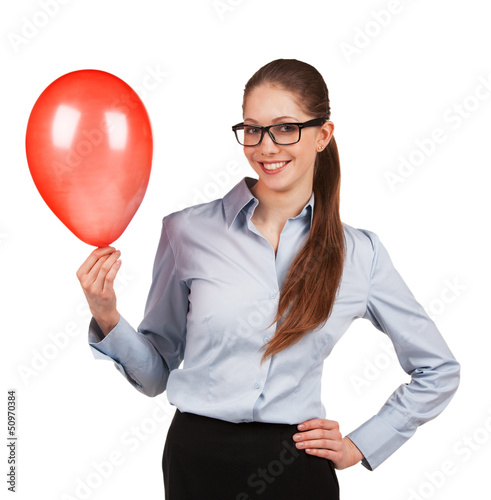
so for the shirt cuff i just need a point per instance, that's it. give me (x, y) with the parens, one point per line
(101, 345)
(110, 347)
(377, 440)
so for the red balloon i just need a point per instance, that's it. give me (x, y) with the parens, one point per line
(89, 149)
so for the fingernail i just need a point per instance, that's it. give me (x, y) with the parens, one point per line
(301, 426)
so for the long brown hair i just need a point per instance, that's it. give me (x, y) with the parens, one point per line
(309, 289)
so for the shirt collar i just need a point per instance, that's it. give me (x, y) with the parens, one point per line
(240, 197)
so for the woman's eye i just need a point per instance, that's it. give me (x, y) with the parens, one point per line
(251, 130)
(287, 128)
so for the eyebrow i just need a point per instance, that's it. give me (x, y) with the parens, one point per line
(279, 119)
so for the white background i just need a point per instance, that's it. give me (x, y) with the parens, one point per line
(410, 75)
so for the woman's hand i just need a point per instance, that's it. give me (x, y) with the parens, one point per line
(96, 275)
(321, 437)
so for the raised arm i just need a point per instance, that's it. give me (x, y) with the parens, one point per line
(145, 356)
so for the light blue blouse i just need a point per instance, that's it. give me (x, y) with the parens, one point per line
(215, 289)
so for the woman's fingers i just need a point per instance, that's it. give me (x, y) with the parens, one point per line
(89, 273)
(91, 277)
(321, 438)
(103, 281)
(85, 270)
(96, 275)
(332, 435)
(318, 423)
(111, 274)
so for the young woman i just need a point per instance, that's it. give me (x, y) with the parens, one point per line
(252, 292)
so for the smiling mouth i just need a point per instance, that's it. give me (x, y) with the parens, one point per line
(274, 166)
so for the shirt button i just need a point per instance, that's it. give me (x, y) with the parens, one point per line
(272, 295)
(245, 420)
(257, 385)
(266, 339)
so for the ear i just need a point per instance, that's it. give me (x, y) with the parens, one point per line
(325, 133)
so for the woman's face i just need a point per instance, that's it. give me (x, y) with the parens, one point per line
(266, 105)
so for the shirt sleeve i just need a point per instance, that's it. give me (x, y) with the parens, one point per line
(422, 353)
(147, 356)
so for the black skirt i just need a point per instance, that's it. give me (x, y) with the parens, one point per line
(210, 459)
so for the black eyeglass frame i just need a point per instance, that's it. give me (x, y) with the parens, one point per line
(311, 123)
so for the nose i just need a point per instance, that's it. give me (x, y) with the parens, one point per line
(267, 145)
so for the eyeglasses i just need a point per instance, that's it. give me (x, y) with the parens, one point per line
(282, 134)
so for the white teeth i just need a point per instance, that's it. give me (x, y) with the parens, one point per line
(274, 166)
